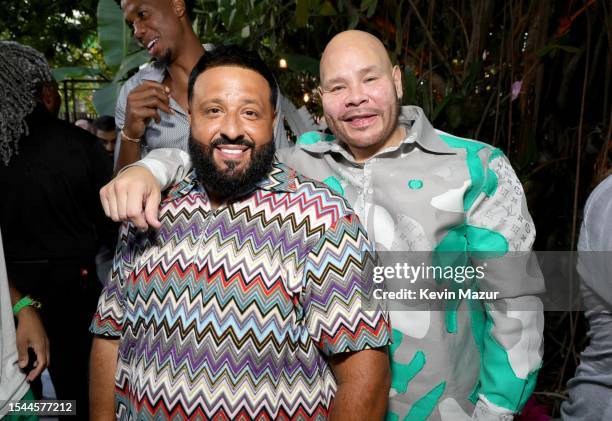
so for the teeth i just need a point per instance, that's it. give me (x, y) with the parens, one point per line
(232, 151)
(150, 44)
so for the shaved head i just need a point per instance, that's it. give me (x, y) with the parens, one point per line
(347, 42)
(360, 92)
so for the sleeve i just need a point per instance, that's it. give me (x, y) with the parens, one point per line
(109, 316)
(337, 287)
(509, 330)
(120, 119)
(168, 165)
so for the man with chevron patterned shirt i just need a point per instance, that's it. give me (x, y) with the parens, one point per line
(250, 300)
(417, 189)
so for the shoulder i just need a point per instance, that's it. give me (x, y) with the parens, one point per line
(317, 199)
(598, 208)
(470, 145)
(145, 72)
(73, 132)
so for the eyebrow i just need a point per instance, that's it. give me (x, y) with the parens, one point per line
(246, 101)
(362, 72)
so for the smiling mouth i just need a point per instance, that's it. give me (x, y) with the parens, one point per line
(151, 44)
(232, 152)
(358, 121)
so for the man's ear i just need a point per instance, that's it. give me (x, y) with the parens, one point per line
(320, 92)
(179, 8)
(397, 81)
(49, 97)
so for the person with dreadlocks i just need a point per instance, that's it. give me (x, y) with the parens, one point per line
(50, 216)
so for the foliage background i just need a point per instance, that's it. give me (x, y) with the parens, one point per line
(531, 77)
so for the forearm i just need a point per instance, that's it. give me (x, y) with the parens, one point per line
(103, 366)
(129, 152)
(15, 294)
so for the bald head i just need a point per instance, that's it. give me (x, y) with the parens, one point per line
(347, 44)
(360, 92)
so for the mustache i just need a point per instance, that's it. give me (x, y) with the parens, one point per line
(226, 141)
(361, 111)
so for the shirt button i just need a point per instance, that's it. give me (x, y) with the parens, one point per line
(370, 191)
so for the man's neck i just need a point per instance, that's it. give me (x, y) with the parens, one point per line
(177, 77)
(187, 55)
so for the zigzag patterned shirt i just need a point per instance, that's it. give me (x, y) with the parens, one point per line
(231, 313)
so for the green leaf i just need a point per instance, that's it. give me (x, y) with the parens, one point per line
(369, 6)
(410, 86)
(441, 107)
(300, 63)
(327, 9)
(453, 112)
(301, 13)
(542, 52)
(104, 99)
(552, 48)
(354, 19)
(131, 62)
(569, 49)
(62, 73)
(115, 37)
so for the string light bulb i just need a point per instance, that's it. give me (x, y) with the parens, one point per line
(306, 97)
(282, 63)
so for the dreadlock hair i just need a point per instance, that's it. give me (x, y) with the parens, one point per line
(23, 72)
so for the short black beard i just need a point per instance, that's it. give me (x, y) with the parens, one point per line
(228, 184)
(164, 61)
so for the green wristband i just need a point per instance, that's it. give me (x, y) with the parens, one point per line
(24, 302)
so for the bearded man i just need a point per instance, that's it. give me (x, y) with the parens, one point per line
(249, 301)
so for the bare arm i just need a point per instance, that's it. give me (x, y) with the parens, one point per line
(30, 333)
(143, 103)
(363, 380)
(103, 365)
(129, 152)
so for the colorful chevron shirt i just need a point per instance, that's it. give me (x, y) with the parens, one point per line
(231, 313)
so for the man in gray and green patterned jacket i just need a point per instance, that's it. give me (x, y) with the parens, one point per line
(415, 188)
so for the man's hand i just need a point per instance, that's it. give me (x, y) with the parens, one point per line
(31, 334)
(363, 379)
(133, 195)
(143, 103)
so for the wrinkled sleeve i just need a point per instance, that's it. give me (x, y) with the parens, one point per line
(168, 165)
(109, 316)
(509, 330)
(337, 289)
(120, 118)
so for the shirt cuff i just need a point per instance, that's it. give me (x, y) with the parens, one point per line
(488, 411)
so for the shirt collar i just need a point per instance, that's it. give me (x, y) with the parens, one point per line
(419, 132)
(281, 179)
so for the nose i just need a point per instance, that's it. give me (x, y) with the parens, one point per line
(139, 31)
(355, 96)
(231, 127)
